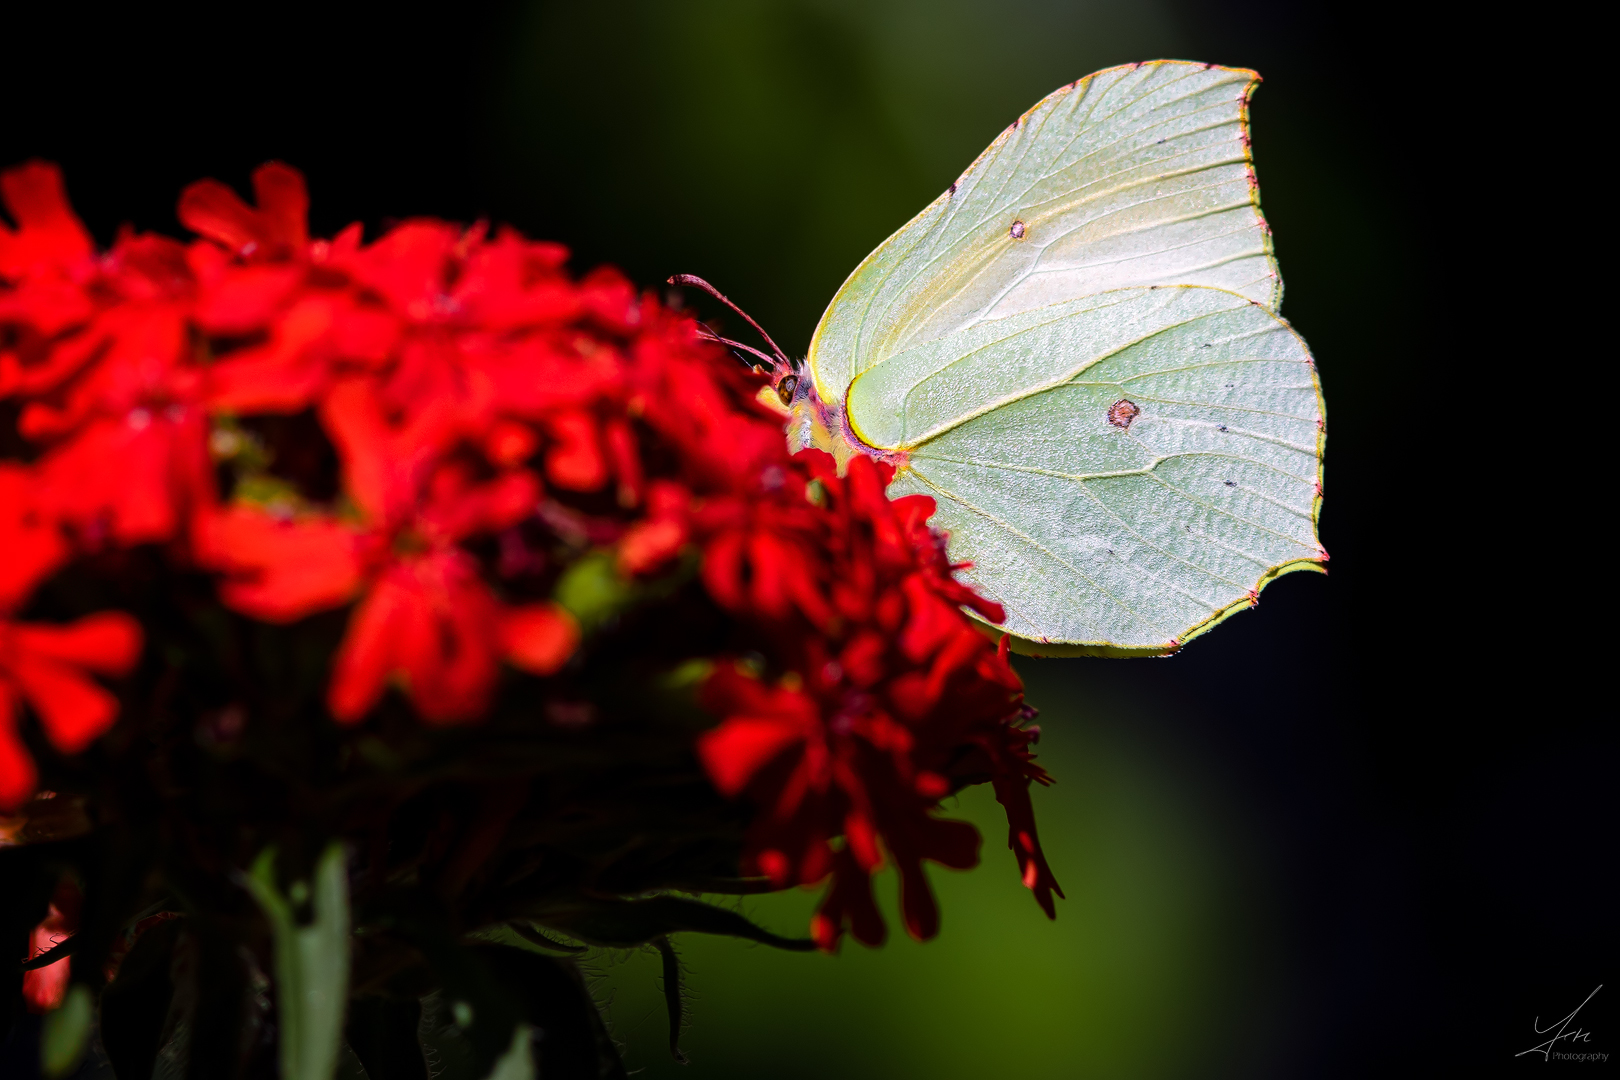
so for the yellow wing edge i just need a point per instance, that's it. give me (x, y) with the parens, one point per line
(1042, 650)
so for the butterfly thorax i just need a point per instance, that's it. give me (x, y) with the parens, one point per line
(824, 425)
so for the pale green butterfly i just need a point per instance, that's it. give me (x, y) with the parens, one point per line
(1075, 350)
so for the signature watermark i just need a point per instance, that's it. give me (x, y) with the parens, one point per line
(1561, 1033)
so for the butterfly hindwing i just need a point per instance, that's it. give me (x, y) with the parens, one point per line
(1147, 462)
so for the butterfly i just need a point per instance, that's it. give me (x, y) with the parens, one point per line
(1076, 351)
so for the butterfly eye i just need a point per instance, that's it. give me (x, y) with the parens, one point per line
(785, 388)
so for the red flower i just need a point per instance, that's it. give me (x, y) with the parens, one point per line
(899, 694)
(101, 352)
(33, 547)
(425, 616)
(275, 229)
(455, 336)
(49, 236)
(47, 666)
(477, 396)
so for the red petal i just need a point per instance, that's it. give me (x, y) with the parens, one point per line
(861, 837)
(409, 265)
(277, 227)
(909, 693)
(458, 508)
(264, 380)
(774, 865)
(913, 511)
(866, 488)
(448, 653)
(722, 570)
(108, 642)
(354, 419)
(862, 659)
(510, 443)
(932, 622)
(44, 988)
(18, 777)
(575, 460)
(1012, 791)
(621, 447)
(162, 471)
(807, 596)
(73, 710)
(959, 651)
(649, 545)
(826, 932)
(508, 499)
(609, 296)
(210, 208)
(849, 898)
(33, 547)
(820, 464)
(539, 638)
(773, 565)
(891, 610)
(48, 232)
(918, 908)
(279, 571)
(360, 670)
(733, 752)
(247, 297)
(283, 204)
(365, 334)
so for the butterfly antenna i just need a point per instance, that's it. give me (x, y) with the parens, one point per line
(693, 279)
(709, 335)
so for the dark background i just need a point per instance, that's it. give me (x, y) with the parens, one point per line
(1395, 781)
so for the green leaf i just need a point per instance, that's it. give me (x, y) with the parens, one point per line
(518, 1061)
(476, 1012)
(727, 886)
(593, 591)
(551, 997)
(534, 937)
(67, 1033)
(672, 995)
(623, 924)
(135, 1005)
(383, 1033)
(312, 962)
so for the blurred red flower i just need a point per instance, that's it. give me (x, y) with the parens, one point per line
(470, 390)
(49, 667)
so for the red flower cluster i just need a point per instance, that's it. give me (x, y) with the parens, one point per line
(893, 698)
(473, 394)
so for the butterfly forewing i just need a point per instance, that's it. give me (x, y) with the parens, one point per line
(1134, 176)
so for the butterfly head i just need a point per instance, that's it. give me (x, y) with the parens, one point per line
(814, 423)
